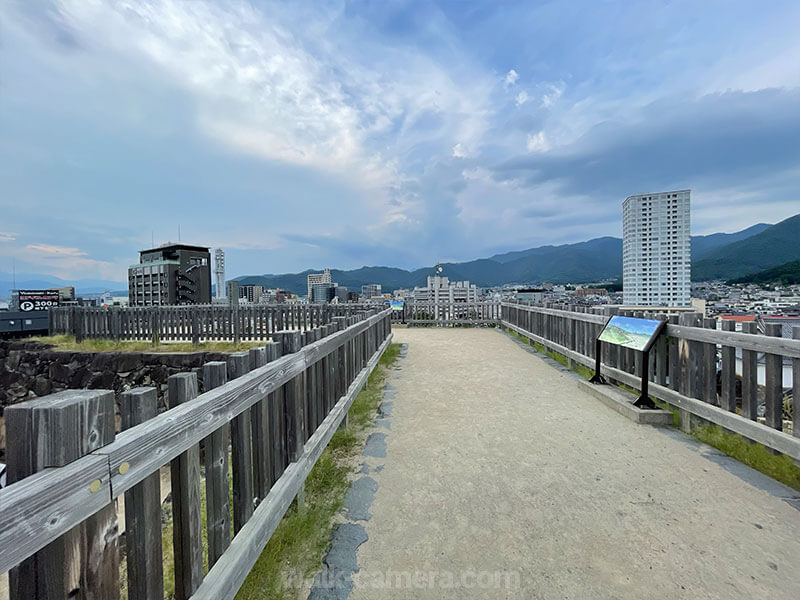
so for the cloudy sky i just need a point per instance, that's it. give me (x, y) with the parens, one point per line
(307, 134)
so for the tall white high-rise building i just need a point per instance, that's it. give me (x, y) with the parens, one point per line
(219, 272)
(656, 249)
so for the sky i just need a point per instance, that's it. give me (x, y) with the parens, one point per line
(302, 135)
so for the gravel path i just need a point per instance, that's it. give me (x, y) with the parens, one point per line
(501, 479)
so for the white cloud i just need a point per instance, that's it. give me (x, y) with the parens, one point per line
(537, 142)
(458, 151)
(522, 98)
(7, 237)
(55, 250)
(64, 262)
(554, 92)
(511, 77)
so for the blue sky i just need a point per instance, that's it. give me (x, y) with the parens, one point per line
(307, 134)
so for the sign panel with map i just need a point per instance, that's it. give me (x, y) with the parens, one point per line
(629, 332)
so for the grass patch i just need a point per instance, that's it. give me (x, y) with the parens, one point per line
(757, 456)
(301, 539)
(67, 343)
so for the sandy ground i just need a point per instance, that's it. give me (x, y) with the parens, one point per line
(501, 479)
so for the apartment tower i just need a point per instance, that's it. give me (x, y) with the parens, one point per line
(656, 249)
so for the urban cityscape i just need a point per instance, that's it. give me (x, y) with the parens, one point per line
(418, 299)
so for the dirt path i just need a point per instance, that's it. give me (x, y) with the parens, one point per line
(499, 478)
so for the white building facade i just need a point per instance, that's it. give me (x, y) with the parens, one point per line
(219, 273)
(371, 290)
(441, 289)
(656, 249)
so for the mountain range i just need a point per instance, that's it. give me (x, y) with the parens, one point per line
(714, 256)
(785, 274)
(38, 281)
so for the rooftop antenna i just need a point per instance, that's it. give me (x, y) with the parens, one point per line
(13, 272)
(179, 232)
(152, 239)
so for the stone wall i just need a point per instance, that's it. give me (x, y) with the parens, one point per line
(32, 369)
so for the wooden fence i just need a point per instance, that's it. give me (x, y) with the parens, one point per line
(195, 323)
(276, 407)
(446, 313)
(692, 367)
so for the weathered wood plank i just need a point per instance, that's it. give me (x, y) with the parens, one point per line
(149, 446)
(749, 377)
(54, 431)
(796, 388)
(227, 576)
(709, 368)
(143, 508)
(218, 513)
(773, 383)
(241, 450)
(728, 371)
(185, 478)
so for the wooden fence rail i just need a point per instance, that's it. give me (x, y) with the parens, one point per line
(276, 407)
(447, 313)
(692, 367)
(195, 323)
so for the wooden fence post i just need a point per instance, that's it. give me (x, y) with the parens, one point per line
(143, 508)
(78, 324)
(241, 450)
(53, 431)
(773, 383)
(185, 477)
(728, 372)
(218, 514)
(195, 315)
(749, 377)
(796, 388)
(237, 325)
(259, 426)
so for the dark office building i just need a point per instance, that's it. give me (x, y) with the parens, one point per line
(322, 292)
(171, 274)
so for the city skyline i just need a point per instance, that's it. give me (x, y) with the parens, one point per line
(385, 134)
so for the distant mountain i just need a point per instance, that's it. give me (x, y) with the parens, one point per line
(702, 245)
(775, 245)
(785, 274)
(35, 281)
(598, 259)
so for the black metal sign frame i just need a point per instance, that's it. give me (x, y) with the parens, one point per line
(644, 400)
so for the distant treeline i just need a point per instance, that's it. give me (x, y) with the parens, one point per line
(785, 274)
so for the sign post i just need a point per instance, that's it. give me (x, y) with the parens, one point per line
(637, 334)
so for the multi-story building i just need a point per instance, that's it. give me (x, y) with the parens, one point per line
(656, 249)
(251, 293)
(233, 292)
(322, 292)
(171, 274)
(219, 272)
(315, 278)
(370, 290)
(442, 289)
